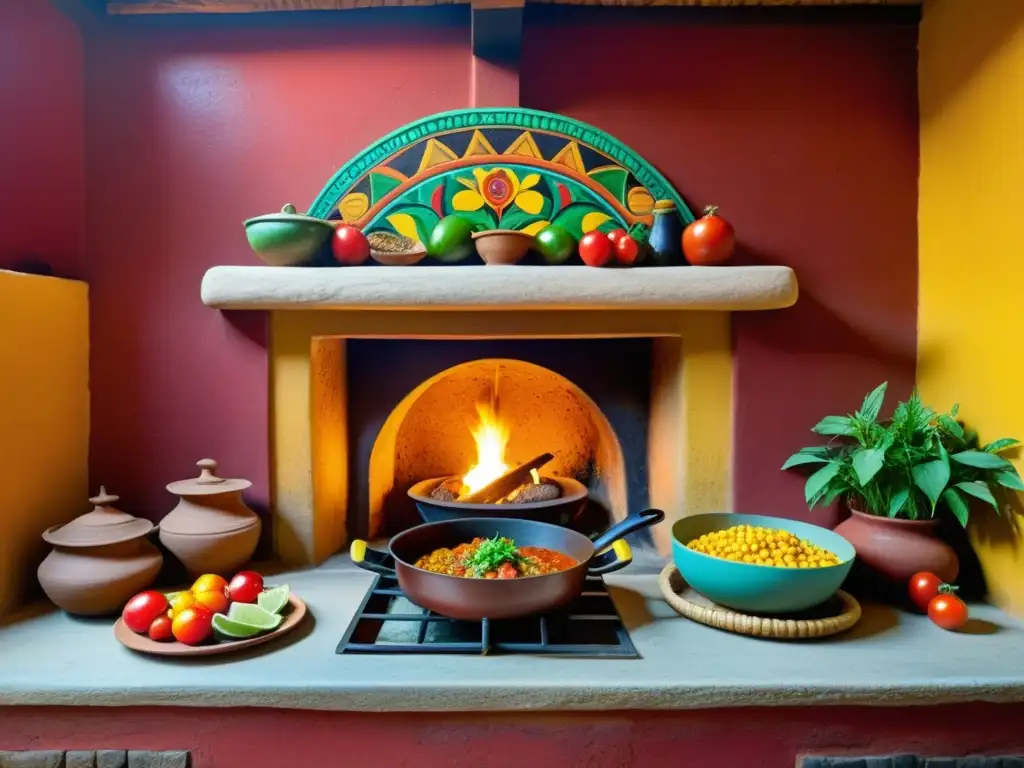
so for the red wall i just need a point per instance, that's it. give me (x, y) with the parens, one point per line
(727, 738)
(41, 135)
(806, 136)
(192, 128)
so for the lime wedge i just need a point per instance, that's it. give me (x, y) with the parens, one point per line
(254, 616)
(274, 600)
(234, 630)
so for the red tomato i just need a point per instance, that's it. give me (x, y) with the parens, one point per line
(595, 249)
(507, 571)
(922, 588)
(193, 625)
(627, 250)
(349, 245)
(160, 629)
(708, 240)
(245, 587)
(615, 234)
(947, 610)
(140, 611)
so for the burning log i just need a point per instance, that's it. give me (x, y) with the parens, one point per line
(447, 490)
(499, 489)
(545, 490)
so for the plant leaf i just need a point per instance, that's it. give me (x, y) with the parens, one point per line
(832, 494)
(981, 460)
(931, 477)
(815, 450)
(803, 458)
(834, 425)
(866, 463)
(817, 482)
(1000, 445)
(1008, 478)
(956, 505)
(952, 426)
(873, 402)
(979, 490)
(898, 500)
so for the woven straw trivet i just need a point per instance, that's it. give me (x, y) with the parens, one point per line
(837, 615)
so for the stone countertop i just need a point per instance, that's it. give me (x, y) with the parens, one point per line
(890, 658)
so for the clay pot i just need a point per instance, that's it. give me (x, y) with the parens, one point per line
(211, 530)
(502, 246)
(99, 560)
(890, 551)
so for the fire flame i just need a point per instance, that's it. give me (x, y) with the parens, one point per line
(491, 437)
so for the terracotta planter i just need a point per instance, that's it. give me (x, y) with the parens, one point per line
(890, 551)
(99, 560)
(211, 530)
(500, 247)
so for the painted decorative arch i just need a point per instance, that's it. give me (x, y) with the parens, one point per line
(499, 168)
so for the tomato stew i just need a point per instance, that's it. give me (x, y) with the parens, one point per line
(497, 558)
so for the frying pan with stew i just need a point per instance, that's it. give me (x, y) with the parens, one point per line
(475, 599)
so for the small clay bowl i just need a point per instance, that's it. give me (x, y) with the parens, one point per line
(287, 239)
(404, 259)
(499, 247)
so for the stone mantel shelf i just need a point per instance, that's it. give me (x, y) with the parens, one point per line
(890, 658)
(722, 289)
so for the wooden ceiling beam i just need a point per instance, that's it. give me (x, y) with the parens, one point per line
(140, 7)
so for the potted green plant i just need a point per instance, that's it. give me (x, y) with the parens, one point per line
(896, 475)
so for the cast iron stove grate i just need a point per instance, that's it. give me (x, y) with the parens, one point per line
(388, 622)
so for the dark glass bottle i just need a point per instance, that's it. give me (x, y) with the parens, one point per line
(666, 238)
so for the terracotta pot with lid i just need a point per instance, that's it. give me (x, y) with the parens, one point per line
(211, 530)
(99, 560)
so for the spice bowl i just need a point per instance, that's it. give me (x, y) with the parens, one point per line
(393, 250)
(759, 589)
(287, 239)
(500, 247)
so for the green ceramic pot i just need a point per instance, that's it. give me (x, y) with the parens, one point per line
(287, 239)
(759, 589)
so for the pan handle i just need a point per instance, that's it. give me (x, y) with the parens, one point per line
(632, 523)
(371, 559)
(617, 556)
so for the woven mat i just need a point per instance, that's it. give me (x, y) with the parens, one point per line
(837, 615)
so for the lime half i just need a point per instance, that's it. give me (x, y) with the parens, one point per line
(274, 600)
(234, 630)
(254, 616)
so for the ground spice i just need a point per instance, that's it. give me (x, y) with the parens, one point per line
(389, 242)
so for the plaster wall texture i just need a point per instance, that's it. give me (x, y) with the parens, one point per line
(44, 420)
(971, 89)
(42, 135)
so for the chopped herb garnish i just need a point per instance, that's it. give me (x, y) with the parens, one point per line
(493, 552)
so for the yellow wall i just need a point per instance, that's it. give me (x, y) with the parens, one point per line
(44, 420)
(971, 228)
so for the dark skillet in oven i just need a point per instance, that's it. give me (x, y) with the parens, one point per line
(476, 599)
(560, 511)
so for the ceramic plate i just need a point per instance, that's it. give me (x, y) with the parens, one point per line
(142, 643)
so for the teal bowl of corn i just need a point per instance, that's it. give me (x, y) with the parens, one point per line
(758, 564)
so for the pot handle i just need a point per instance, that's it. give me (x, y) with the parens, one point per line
(617, 556)
(371, 559)
(632, 523)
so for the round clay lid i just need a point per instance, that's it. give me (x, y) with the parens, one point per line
(104, 525)
(207, 483)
